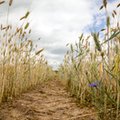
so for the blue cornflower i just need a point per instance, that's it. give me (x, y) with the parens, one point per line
(94, 84)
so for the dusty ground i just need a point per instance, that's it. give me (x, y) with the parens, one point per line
(47, 102)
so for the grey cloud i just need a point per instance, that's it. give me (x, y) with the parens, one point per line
(59, 50)
(16, 5)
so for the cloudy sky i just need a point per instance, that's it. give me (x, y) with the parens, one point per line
(57, 22)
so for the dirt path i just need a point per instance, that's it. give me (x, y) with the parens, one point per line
(47, 102)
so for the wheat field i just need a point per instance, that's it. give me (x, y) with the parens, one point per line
(22, 65)
(91, 73)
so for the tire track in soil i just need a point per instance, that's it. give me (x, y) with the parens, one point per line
(50, 101)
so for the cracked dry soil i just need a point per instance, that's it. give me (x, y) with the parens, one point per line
(49, 101)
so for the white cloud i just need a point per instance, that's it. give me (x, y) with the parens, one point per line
(59, 22)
